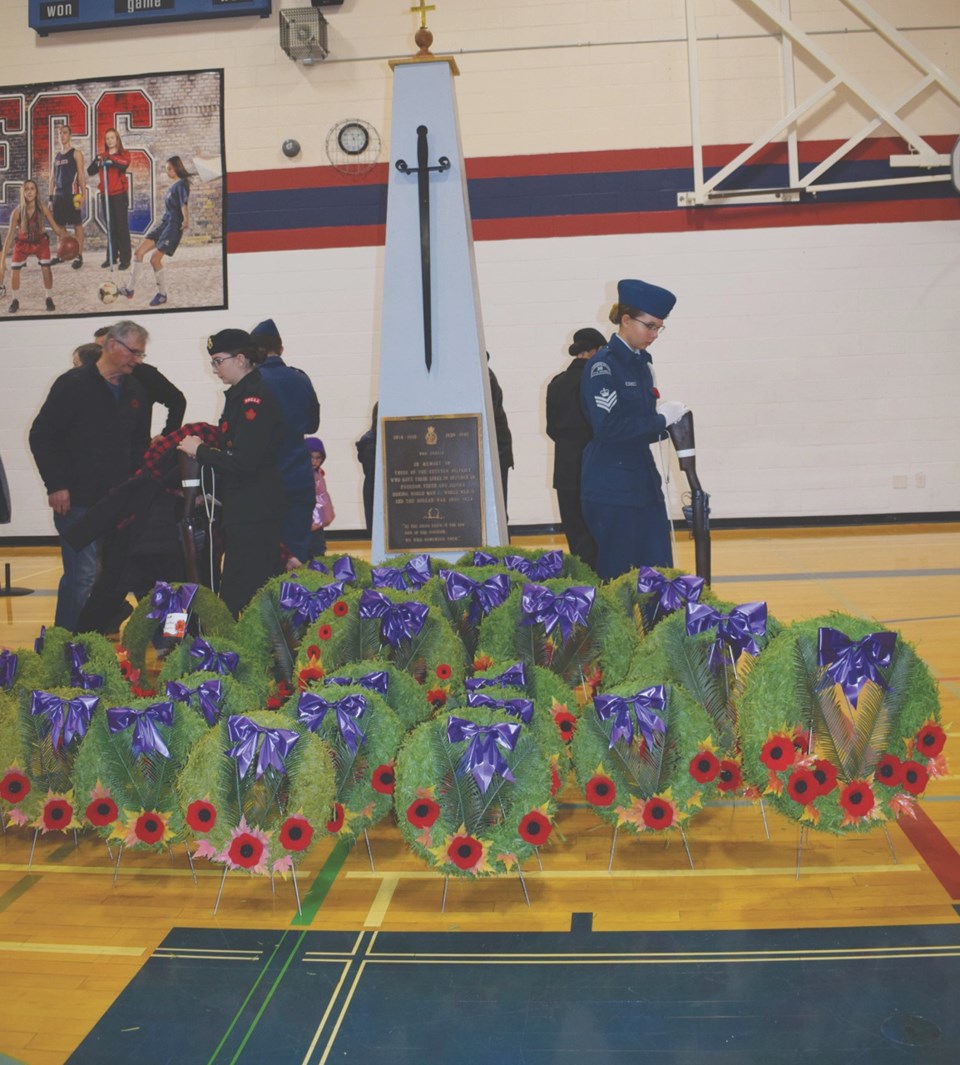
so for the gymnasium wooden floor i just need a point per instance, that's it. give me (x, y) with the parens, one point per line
(73, 944)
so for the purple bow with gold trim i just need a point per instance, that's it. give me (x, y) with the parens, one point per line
(213, 661)
(208, 693)
(378, 681)
(482, 759)
(414, 574)
(307, 606)
(643, 705)
(8, 668)
(67, 718)
(77, 658)
(564, 610)
(312, 709)
(735, 631)
(672, 594)
(852, 663)
(485, 595)
(342, 569)
(275, 745)
(165, 599)
(522, 708)
(549, 564)
(398, 621)
(514, 677)
(146, 739)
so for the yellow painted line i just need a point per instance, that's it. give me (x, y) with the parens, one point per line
(106, 870)
(708, 959)
(947, 950)
(71, 948)
(343, 1013)
(381, 903)
(655, 874)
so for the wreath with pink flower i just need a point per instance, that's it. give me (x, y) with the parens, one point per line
(840, 725)
(645, 757)
(473, 793)
(255, 792)
(206, 615)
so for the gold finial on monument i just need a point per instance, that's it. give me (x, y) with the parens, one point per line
(423, 38)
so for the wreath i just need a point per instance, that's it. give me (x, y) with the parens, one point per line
(224, 657)
(650, 594)
(643, 756)
(20, 669)
(86, 661)
(574, 630)
(207, 615)
(254, 792)
(840, 724)
(398, 689)
(530, 564)
(465, 596)
(473, 793)
(363, 734)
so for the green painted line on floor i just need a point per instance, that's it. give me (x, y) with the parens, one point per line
(313, 900)
(21, 887)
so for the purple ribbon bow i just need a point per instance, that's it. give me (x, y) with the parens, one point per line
(40, 640)
(398, 621)
(165, 599)
(414, 574)
(852, 663)
(734, 630)
(208, 693)
(77, 657)
(145, 739)
(481, 758)
(568, 608)
(514, 677)
(522, 708)
(212, 661)
(672, 593)
(8, 668)
(312, 709)
(378, 681)
(307, 606)
(644, 705)
(484, 558)
(342, 569)
(67, 717)
(485, 595)
(275, 745)
(549, 564)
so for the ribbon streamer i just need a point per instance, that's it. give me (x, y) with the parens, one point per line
(146, 739)
(212, 661)
(8, 668)
(342, 569)
(549, 564)
(568, 608)
(672, 594)
(77, 657)
(67, 718)
(414, 574)
(208, 693)
(514, 677)
(482, 759)
(312, 709)
(852, 663)
(307, 606)
(522, 708)
(378, 681)
(40, 640)
(485, 595)
(398, 621)
(275, 745)
(735, 631)
(644, 705)
(165, 599)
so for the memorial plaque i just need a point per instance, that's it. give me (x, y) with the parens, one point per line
(433, 483)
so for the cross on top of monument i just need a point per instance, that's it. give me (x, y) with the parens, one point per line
(422, 8)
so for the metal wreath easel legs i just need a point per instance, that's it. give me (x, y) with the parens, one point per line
(804, 830)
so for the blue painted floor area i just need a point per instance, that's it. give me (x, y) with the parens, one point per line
(844, 996)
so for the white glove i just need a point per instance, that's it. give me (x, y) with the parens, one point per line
(672, 411)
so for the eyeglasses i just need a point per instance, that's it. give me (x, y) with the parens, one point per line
(652, 326)
(216, 363)
(137, 352)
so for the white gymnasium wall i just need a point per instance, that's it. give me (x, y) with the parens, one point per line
(822, 362)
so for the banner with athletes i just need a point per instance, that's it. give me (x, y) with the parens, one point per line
(111, 195)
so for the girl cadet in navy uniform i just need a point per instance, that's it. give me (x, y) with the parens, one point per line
(620, 488)
(252, 429)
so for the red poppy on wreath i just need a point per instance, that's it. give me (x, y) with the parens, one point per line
(306, 676)
(930, 740)
(826, 774)
(422, 813)
(555, 781)
(465, 851)
(658, 814)
(801, 740)
(245, 850)
(324, 632)
(803, 787)
(150, 828)
(341, 608)
(729, 776)
(915, 777)
(778, 752)
(481, 663)
(443, 671)
(437, 697)
(313, 652)
(14, 787)
(704, 767)
(566, 723)
(142, 693)
(57, 815)
(383, 779)
(296, 833)
(201, 815)
(101, 812)
(857, 798)
(601, 790)
(889, 770)
(594, 680)
(284, 689)
(535, 828)
(336, 822)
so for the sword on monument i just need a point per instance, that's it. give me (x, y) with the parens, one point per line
(698, 513)
(190, 483)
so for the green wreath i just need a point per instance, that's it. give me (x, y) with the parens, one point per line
(825, 762)
(259, 824)
(654, 782)
(209, 616)
(454, 826)
(100, 665)
(643, 607)
(465, 615)
(251, 672)
(572, 568)
(408, 699)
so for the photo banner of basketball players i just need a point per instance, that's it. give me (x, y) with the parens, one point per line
(112, 196)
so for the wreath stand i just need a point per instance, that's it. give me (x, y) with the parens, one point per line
(273, 888)
(116, 867)
(33, 845)
(523, 885)
(804, 831)
(683, 836)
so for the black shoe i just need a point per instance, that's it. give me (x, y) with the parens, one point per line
(125, 266)
(105, 264)
(14, 306)
(55, 261)
(78, 262)
(51, 306)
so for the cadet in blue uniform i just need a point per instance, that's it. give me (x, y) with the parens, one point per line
(620, 488)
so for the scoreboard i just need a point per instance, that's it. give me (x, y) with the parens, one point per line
(51, 16)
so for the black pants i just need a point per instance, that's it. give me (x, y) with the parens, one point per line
(119, 214)
(579, 538)
(251, 558)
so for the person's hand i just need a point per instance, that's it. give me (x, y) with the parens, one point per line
(60, 502)
(672, 411)
(189, 444)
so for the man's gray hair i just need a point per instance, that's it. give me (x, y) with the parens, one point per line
(121, 330)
